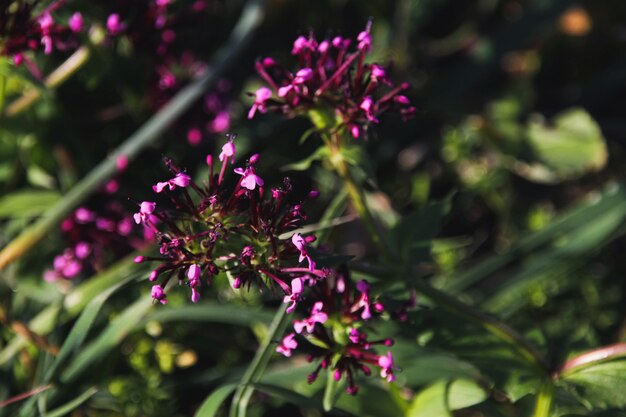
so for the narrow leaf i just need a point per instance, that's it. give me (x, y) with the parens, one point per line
(212, 403)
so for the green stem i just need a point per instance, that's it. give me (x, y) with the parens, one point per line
(144, 137)
(355, 192)
(488, 322)
(3, 91)
(55, 79)
(256, 368)
(543, 405)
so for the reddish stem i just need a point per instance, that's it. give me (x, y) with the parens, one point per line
(596, 355)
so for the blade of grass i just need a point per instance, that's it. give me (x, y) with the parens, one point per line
(70, 406)
(259, 363)
(110, 337)
(612, 197)
(211, 405)
(75, 301)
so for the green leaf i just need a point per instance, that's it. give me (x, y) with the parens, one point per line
(212, 403)
(571, 147)
(430, 367)
(600, 386)
(80, 329)
(439, 399)
(332, 390)
(414, 233)
(67, 408)
(288, 395)
(320, 154)
(211, 312)
(370, 401)
(27, 203)
(613, 199)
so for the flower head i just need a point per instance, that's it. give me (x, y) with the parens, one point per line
(331, 77)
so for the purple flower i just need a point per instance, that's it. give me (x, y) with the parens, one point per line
(365, 39)
(296, 294)
(114, 25)
(180, 180)
(76, 22)
(317, 316)
(386, 365)
(287, 345)
(367, 105)
(300, 243)
(364, 300)
(260, 97)
(228, 151)
(146, 208)
(250, 180)
(158, 294)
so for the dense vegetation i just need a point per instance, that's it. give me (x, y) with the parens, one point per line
(335, 207)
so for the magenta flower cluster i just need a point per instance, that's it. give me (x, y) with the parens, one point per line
(96, 236)
(334, 333)
(219, 229)
(333, 77)
(22, 29)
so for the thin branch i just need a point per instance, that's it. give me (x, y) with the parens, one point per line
(25, 395)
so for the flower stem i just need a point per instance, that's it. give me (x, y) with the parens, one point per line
(56, 78)
(543, 405)
(256, 368)
(147, 135)
(488, 322)
(355, 192)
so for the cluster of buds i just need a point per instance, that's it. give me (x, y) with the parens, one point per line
(23, 29)
(332, 77)
(333, 334)
(229, 230)
(95, 237)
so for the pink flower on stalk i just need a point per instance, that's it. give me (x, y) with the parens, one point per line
(181, 180)
(386, 365)
(287, 345)
(301, 77)
(300, 243)
(260, 97)
(367, 105)
(365, 39)
(193, 274)
(250, 180)
(317, 316)
(114, 25)
(228, 151)
(46, 23)
(364, 300)
(301, 44)
(146, 208)
(76, 22)
(296, 294)
(158, 294)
